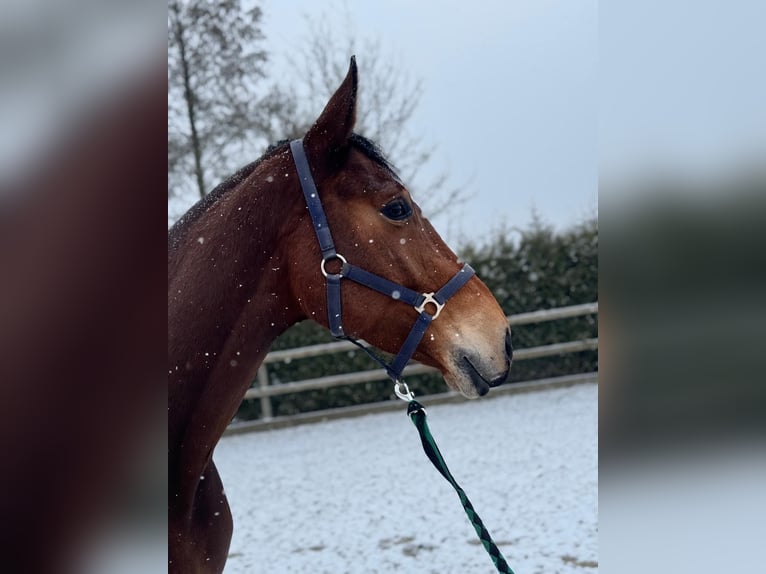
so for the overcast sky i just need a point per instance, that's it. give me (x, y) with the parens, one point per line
(682, 88)
(509, 97)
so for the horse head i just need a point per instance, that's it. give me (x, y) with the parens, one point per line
(377, 225)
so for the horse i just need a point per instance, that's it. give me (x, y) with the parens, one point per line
(244, 265)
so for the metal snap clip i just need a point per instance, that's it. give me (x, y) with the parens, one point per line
(407, 395)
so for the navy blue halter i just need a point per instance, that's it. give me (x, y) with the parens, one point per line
(370, 280)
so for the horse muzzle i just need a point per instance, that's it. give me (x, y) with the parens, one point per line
(479, 373)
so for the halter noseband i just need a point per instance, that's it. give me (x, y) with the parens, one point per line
(418, 301)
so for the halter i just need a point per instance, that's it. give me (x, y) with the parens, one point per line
(419, 301)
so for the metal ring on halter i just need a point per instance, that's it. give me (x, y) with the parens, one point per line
(407, 395)
(336, 256)
(429, 298)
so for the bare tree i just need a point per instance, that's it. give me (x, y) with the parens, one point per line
(388, 96)
(223, 111)
(215, 105)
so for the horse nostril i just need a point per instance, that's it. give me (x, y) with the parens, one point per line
(508, 345)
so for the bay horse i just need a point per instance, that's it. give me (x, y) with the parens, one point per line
(244, 265)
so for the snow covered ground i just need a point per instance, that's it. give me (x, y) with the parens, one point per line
(360, 496)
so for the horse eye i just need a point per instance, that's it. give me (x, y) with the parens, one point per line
(397, 210)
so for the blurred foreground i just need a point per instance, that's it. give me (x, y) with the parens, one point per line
(82, 187)
(682, 213)
(683, 406)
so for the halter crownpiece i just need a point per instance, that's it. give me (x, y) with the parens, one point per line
(419, 301)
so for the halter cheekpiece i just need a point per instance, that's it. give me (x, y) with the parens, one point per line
(423, 303)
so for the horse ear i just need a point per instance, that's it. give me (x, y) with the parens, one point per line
(327, 139)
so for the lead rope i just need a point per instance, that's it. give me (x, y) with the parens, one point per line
(417, 414)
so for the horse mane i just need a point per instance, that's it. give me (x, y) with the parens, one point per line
(179, 229)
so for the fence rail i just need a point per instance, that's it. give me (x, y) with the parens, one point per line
(264, 391)
(520, 319)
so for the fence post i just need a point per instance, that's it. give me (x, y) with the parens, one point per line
(263, 382)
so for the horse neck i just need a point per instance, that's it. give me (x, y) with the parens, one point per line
(229, 298)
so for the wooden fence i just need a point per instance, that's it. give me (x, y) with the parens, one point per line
(264, 391)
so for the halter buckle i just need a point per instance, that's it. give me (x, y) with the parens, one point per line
(336, 256)
(429, 298)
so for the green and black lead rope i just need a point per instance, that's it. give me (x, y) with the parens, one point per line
(417, 414)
